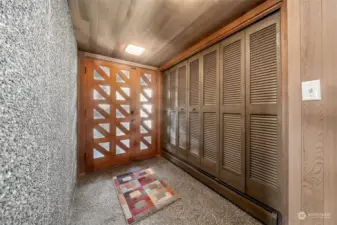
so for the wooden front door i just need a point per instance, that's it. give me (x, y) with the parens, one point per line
(119, 114)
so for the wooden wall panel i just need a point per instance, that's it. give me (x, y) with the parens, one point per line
(312, 55)
(312, 111)
(329, 33)
(294, 104)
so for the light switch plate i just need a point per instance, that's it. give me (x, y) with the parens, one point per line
(311, 90)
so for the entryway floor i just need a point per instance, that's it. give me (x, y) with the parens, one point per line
(96, 202)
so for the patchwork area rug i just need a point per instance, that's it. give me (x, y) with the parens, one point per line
(141, 193)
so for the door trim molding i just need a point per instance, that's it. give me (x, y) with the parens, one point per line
(119, 61)
(250, 17)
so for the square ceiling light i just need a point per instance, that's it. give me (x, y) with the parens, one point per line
(134, 50)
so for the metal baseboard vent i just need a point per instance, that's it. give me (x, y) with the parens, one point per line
(258, 210)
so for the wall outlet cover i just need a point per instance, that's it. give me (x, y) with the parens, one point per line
(311, 90)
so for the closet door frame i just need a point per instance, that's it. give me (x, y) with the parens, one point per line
(234, 179)
(262, 192)
(206, 164)
(193, 158)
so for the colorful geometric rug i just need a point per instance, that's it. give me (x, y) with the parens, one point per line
(141, 193)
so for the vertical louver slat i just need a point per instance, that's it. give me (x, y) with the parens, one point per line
(173, 89)
(263, 66)
(210, 136)
(263, 149)
(232, 73)
(182, 86)
(210, 79)
(173, 127)
(182, 130)
(232, 142)
(194, 133)
(194, 82)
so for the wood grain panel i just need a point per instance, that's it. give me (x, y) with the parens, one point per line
(294, 104)
(163, 27)
(250, 17)
(329, 85)
(312, 112)
(313, 53)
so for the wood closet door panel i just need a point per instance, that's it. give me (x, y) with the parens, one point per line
(210, 110)
(182, 114)
(173, 113)
(232, 111)
(194, 115)
(263, 112)
(166, 110)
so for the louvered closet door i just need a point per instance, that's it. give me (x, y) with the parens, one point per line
(173, 114)
(194, 118)
(166, 110)
(232, 111)
(182, 114)
(210, 110)
(263, 86)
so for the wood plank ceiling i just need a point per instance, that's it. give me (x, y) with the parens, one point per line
(163, 27)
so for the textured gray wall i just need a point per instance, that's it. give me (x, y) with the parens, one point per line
(38, 67)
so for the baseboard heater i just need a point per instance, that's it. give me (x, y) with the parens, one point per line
(258, 210)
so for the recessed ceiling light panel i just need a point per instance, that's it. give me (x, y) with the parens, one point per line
(134, 50)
